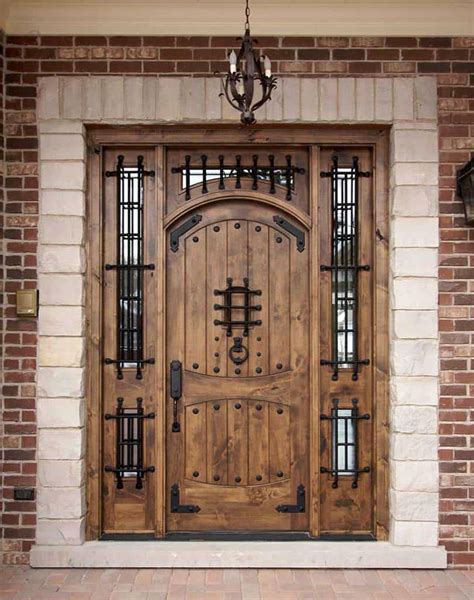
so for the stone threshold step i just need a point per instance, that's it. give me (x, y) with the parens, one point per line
(240, 554)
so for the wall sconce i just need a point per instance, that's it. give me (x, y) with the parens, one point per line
(465, 189)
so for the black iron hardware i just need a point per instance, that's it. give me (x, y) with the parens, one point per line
(129, 440)
(176, 507)
(345, 453)
(181, 230)
(283, 175)
(129, 266)
(238, 353)
(228, 307)
(299, 507)
(299, 235)
(345, 268)
(176, 391)
(245, 69)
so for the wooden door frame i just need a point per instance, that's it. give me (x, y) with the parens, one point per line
(375, 137)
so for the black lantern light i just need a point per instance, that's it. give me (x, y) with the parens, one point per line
(245, 69)
(465, 189)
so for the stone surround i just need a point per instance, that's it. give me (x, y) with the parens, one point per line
(409, 106)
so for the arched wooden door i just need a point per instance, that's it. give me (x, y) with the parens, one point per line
(238, 329)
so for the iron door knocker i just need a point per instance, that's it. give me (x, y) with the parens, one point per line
(236, 350)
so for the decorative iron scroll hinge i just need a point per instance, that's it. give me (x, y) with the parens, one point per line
(258, 173)
(176, 507)
(299, 507)
(129, 440)
(299, 235)
(181, 230)
(348, 418)
(120, 166)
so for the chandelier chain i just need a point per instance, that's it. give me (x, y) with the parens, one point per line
(247, 15)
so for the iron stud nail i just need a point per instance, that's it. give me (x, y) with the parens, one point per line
(195, 411)
(258, 369)
(258, 228)
(237, 225)
(216, 369)
(280, 411)
(216, 478)
(279, 366)
(237, 371)
(196, 474)
(237, 406)
(259, 407)
(217, 228)
(258, 478)
(238, 479)
(216, 406)
(279, 240)
(259, 354)
(195, 366)
(195, 239)
(279, 473)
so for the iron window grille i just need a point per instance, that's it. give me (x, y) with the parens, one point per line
(283, 175)
(129, 442)
(345, 268)
(130, 266)
(345, 442)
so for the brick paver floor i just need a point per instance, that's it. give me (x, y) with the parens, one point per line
(23, 583)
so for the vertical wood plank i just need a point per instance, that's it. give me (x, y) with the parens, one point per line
(279, 301)
(196, 302)
(279, 442)
(258, 442)
(195, 442)
(237, 418)
(258, 276)
(217, 442)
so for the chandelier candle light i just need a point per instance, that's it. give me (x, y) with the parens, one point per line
(245, 68)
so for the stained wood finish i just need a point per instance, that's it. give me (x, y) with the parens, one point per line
(244, 441)
(229, 442)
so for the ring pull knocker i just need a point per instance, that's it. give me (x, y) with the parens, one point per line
(238, 354)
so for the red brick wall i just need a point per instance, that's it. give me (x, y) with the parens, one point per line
(452, 60)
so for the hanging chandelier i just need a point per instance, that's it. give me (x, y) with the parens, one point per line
(245, 69)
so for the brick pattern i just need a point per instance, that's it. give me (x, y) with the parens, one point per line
(450, 59)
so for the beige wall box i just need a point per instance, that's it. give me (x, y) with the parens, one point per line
(27, 303)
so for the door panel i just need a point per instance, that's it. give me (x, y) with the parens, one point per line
(243, 443)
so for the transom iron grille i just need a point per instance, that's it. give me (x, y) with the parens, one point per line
(344, 442)
(345, 267)
(129, 460)
(283, 175)
(129, 267)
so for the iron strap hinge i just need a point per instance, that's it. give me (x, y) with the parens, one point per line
(299, 507)
(290, 228)
(181, 230)
(176, 507)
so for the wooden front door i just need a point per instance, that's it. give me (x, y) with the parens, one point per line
(238, 338)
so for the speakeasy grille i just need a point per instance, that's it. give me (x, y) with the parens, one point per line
(129, 266)
(345, 268)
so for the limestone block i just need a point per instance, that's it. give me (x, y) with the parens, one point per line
(67, 175)
(56, 290)
(62, 146)
(61, 126)
(61, 351)
(113, 97)
(213, 100)
(415, 201)
(291, 99)
(346, 98)
(93, 99)
(62, 321)
(61, 230)
(168, 92)
(61, 259)
(414, 262)
(413, 232)
(134, 98)
(61, 444)
(414, 174)
(274, 108)
(383, 99)
(414, 506)
(414, 419)
(61, 503)
(414, 390)
(328, 99)
(413, 324)
(192, 98)
(405, 446)
(415, 145)
(403, 99)
(58, 532)
(62, 202)
(72, 97)
(149, 98)
(426, 98)
(61, 473)
(414, 357)
(309, 99)
(414, 533)
(415, 476)
(365, 99)
(60, 412)
(58, 382)
(48, 98)
(414, 294)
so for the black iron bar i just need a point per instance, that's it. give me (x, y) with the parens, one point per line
(204, 173)
(221, 172)
(288, 174)
(255, 172)
(187, 160)
(238, 159)
(271, 160)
